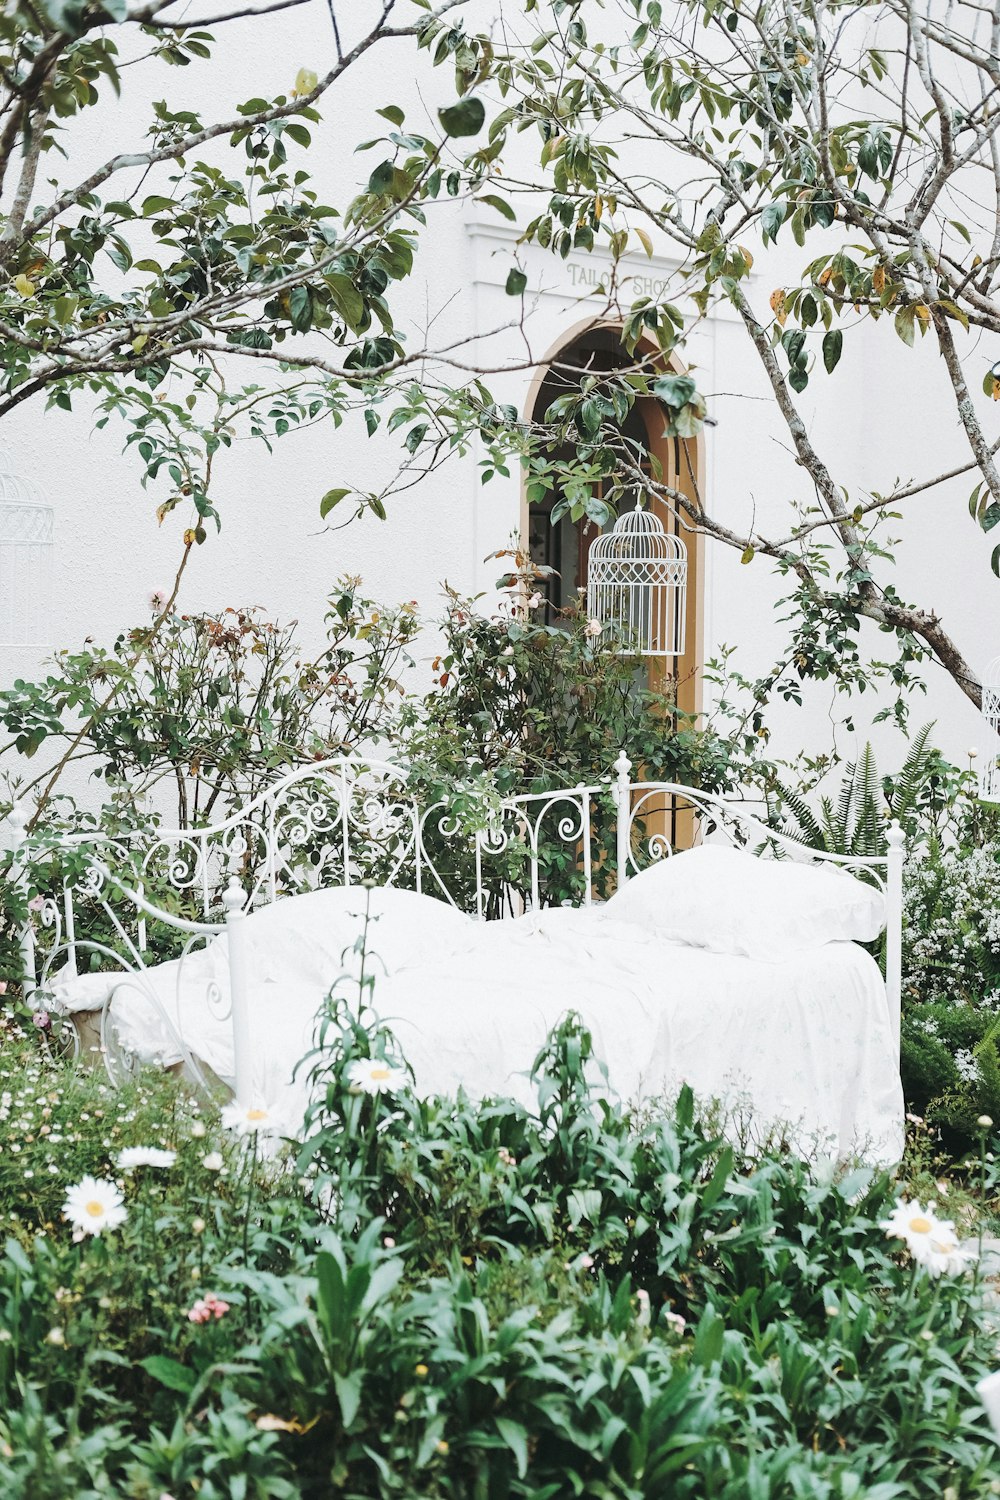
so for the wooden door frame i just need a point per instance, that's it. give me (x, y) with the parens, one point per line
(691, 670)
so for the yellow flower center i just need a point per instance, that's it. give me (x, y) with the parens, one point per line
(256, 1114)
(380, 1074)
(920, 1225)
(94, 1209)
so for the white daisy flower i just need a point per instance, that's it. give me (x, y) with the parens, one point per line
(373, 1075)
(944, 1256)
(93, 1204)
(931, 1241)
(914, 1224)
(144, 1156)
(213, 1162)
(257, 1120)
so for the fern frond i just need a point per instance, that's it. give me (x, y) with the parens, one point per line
(867, 837)
(845, 803)
(806, 830)
(914, 773)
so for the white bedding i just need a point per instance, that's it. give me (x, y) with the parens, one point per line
(806, 1043)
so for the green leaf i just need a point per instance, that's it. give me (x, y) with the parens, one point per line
(833, 343)
(748, 554)
(381, 179)
(348, 301)
(392, 113)
(674, 390)
(597, 510)
(331, 499)
(500, 204)
(300, 308)
(348, 1388)
(169, 1372)
(771, 219)
(464, 118)
(708, 1339)
(515, 1437)
(516, 282)
(903, 324)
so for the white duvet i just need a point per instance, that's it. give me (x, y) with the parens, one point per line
(804, 1044)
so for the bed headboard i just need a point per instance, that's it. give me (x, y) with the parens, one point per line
(353, 818)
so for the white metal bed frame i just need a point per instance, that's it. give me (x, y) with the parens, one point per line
(354, 816)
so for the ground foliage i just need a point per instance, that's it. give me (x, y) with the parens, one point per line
(437, 1298)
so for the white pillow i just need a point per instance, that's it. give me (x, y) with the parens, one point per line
(307, 935)
(730, 901)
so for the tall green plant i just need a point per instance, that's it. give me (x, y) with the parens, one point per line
(853, 822)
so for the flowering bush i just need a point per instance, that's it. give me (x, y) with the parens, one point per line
(61, 1124)
(217, 706)
(951, 1010)
(434, 1298)
(950, 1061)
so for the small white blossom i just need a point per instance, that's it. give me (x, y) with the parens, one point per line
(255, 1120)
(144, 1156)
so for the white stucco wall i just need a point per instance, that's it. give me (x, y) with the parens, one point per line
(886, 413)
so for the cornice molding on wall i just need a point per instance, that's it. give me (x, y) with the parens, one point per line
(576, 279)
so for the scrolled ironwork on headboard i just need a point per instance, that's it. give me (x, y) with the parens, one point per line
(340, 822)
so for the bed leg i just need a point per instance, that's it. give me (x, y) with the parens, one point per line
(233, 900)
(623, 815)
(17, 819)
(895, 839)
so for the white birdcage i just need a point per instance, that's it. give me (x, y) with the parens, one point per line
(26, 535)
(637, 585)
(989, 774)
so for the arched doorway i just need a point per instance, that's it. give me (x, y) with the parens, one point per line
(564, 546)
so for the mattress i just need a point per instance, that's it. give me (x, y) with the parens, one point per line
(803, 1047)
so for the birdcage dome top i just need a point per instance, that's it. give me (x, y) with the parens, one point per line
(14, 488)
(638, 533)
(991, 677)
